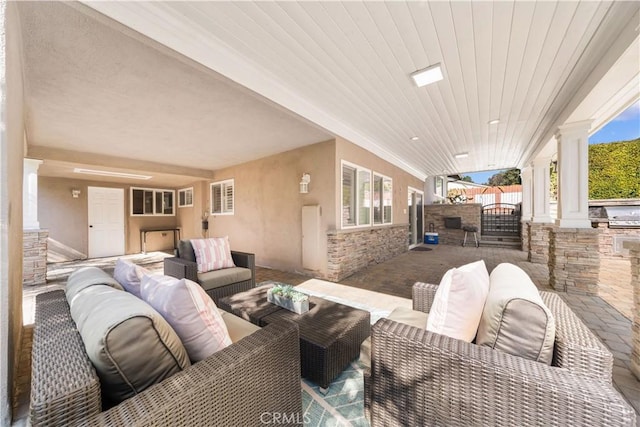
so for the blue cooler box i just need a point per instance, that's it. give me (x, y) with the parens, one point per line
(431, 238)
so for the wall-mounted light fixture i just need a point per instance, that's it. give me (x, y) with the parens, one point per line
(75, 193)
(304, 183)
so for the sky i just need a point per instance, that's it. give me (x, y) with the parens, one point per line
(625, 127)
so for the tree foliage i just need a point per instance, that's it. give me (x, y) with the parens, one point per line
(466, 178)
(508, 177)
(614, 170)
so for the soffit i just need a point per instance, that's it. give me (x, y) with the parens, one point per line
(96, 86)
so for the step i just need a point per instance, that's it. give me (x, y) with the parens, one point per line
(501, 244)
(500, 238)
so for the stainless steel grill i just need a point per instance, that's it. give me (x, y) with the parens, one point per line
(623, 216)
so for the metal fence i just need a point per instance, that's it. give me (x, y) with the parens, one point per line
(501, 219)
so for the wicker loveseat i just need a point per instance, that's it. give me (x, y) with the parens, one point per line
(420, 378)
(219, 283)
(259, 374)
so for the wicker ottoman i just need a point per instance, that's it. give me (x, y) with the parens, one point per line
(330, 333)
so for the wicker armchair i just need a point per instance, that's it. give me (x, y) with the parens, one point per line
(258, 374)
(420, 378)
(226, 282)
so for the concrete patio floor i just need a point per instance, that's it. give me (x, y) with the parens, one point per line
(608, 315)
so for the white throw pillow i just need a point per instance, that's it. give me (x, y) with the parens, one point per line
(459, 300)
(129, 276)
(212, 254)
(190, 312)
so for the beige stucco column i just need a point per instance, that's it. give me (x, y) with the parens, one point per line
(573, 175)
(540, 190)
(30, 194)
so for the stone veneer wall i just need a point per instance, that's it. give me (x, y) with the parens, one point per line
(539, 242)
(34, 265)
(349, 251)
(634, 255)
(468, 212)
(574, 260)
(607, 235)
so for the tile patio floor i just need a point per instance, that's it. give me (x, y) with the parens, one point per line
(608, 316)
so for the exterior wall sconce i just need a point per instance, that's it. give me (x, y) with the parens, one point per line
(75, 193)
(304, 183)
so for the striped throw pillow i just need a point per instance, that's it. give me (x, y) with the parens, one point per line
(212, 254)
(190, 312)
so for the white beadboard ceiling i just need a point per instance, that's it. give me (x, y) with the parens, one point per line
(287, 74)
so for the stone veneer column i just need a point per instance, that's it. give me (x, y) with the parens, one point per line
(634, 253)
(525, 239)
(34, 264)
(539, 242)
(574, 260)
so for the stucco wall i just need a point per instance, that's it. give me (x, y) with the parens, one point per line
(66, 219)
(11, 165)
(267, 216)
(189, 219)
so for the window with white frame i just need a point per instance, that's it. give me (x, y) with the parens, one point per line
(382, 199)
(356, 195)
(185, 197)
(152, 202)
(222, 197)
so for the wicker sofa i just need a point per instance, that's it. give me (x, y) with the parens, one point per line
(420, 378)
(228, 388)
(218, 284)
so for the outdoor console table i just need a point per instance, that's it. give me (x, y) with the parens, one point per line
(330, 333)
(144, 231)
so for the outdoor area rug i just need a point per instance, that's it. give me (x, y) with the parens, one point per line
(343, 405)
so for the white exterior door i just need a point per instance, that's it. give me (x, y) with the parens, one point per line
(106, 221)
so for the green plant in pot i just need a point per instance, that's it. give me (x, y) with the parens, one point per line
(286, 296)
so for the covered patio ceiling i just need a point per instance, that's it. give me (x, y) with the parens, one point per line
(185, 88)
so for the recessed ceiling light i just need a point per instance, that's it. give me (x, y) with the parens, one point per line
(427, 75)
(414, 138)
(494, 122)
(461, 155)
(111, 173)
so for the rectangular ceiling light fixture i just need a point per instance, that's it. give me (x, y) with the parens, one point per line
(461, 155)
(110, 173)
(427, 75)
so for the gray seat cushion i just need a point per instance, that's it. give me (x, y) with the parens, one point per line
(130, 345)
(185, 250)
(85, 277)
(226, 276)
(238, 328)
(515, 319)
(404, 315)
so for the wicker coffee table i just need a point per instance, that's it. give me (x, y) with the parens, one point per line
(330, 333)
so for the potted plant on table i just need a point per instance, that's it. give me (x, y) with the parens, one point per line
(287, 297)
